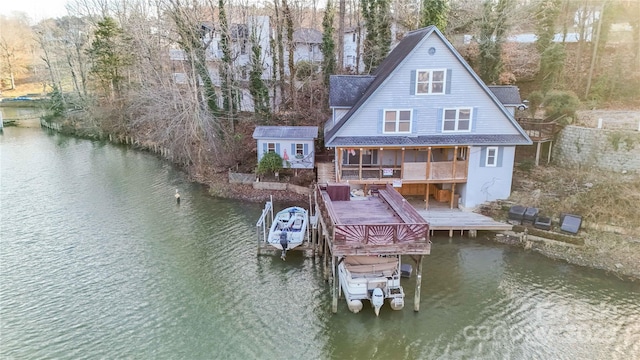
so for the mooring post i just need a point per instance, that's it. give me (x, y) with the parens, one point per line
(416, 298)
(258, 237)
(325, 258)
(336, 285)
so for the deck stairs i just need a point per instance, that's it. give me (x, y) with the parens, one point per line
(326, 173)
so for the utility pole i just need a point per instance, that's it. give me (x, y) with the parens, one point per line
(595, 48)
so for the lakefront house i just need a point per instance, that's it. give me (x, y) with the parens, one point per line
(426, 123)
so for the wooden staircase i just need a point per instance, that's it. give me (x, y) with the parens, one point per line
(326, 173)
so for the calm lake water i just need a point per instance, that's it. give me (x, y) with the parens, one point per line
(97, 261)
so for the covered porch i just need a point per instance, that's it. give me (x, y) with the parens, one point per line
(416, 165)
(416, 171)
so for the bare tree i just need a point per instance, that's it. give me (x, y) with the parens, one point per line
(15, 47)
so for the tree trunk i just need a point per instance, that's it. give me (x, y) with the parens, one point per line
(341, 38)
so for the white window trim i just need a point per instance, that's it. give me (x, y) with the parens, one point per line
(301, 149)
(494, 157)
(269, 144)
(397, 111)
(444, 111)
(444, 82)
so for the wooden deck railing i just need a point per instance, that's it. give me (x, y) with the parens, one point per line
(538, 129)
(410, 237)
(421, 171)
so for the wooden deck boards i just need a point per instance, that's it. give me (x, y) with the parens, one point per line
(370, 211)
(455, 219)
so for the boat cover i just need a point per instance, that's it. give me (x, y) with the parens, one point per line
(371, 264)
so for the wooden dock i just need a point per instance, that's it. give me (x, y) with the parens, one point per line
(452, 220)
(381, 224)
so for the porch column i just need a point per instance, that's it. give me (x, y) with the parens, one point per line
(426, 197)
(453, 191)
(379, 166)
(429, 163)
(455, 159)
(338, 166)
(360, 166)
(402, 164)
(537, 153)
(549, 154)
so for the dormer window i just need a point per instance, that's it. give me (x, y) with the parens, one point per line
(430, 81)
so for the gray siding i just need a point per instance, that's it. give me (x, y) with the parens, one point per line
(396, 93)
(487, 183)
(282, 146)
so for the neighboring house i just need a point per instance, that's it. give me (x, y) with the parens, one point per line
(257, 28)
(295, 144)
(425, 122)
(352, 58)
(307, 46)
(509, 96)
(353, 46)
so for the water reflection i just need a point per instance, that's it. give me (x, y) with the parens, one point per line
(98, 260)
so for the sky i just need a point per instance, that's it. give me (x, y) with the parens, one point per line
(35, 9)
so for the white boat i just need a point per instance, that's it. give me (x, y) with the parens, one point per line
(288, 229)
(373, 278)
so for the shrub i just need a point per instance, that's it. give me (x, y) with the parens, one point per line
(305, 70)
(535, 100)
(561, 104)
(526, 165)
(270, 163)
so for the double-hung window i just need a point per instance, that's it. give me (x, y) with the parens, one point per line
(456, 120)
(299, 151)
(271, 147)
(397, 121)
(492, 157)
(431, 81)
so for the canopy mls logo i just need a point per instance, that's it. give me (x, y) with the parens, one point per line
(562, 326)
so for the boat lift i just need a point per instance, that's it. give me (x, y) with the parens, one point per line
(264, 224)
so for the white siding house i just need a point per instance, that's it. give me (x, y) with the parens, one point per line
(294, 144)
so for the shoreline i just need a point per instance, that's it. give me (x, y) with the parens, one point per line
(593, 255)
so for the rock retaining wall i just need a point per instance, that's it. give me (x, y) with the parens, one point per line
(614, 150)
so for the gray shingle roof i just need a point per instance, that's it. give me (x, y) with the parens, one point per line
(507, 94)
(286, 132)
(307, 36)
(430, 140)
(346, 90)
(386, 67)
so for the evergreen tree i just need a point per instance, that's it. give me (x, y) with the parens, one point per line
(551, 53)
(377, 42)
(257, 88)
(384, 29)
(328, 45)
(434, 12)
(229, 92)
(191, 40)
(493, 30)
(288, 19)
(110, 55)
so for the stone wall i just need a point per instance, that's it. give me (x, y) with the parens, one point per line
(614, 150)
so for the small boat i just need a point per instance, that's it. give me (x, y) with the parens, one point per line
(373, 278)
(289, 229)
